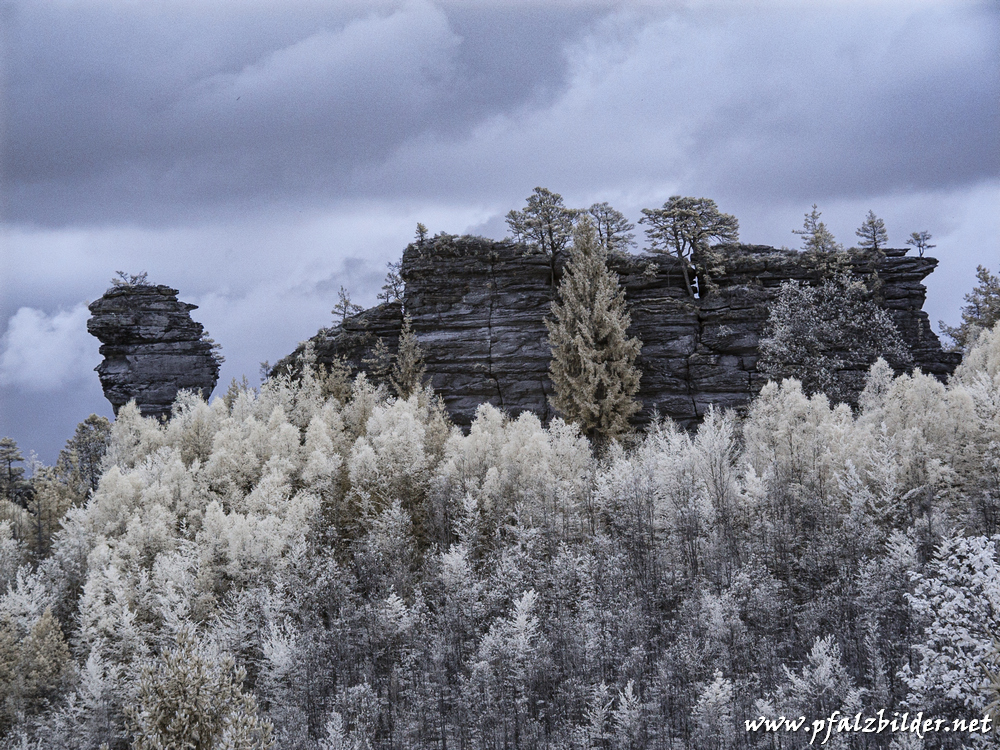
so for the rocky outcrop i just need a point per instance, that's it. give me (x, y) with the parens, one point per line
(478, 309)
(151, 347)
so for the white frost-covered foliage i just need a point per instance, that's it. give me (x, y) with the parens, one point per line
(516, 469)
(385, 580)
(958, 600)
(827, 336)
(213, 501)
(390, 460)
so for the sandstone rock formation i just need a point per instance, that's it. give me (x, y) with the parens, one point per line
(151, 347)
(478, 309)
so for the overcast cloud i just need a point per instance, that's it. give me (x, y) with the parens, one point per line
(257, 155)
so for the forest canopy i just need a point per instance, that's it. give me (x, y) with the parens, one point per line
(298, 570)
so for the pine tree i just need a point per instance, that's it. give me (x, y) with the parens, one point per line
(614, 231)
(545, 224)
(344, 308)
(33, 669)
(921, 241)
(46, 659)
(593, 361)
(393, 287)
(815, 234)
(378, 361)
(189, 700)
(79, 463)
(408, 371)
(872, 232)
(11, 477)
(128, 280)
(46, 505)
(685, 225)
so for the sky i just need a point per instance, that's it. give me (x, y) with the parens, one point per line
(257, 156)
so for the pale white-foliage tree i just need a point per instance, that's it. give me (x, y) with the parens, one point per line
(516, 467)
(596, 732)
(508, 663)
(827, 336)
(819, 688)
(715, 727)
(627, 719)
(390, 461)
(542, 590)
(958, 599)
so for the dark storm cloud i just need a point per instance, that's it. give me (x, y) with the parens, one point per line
(127, 113)
(136, 114)
(769, 103)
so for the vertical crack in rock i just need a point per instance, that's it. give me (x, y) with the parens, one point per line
(492, 289)
(688, 381)
(547, 413)
(152, 348)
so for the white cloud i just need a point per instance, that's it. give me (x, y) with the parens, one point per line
(42, 352)
(261, 285)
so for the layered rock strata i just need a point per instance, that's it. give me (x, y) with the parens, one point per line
(152, 348)
(478, 309)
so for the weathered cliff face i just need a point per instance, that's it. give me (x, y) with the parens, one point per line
(478, 309)
(151, 347)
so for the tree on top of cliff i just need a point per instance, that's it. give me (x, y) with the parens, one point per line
(815, 234)
(393, 288)
(921, 241)
(684, 225)
(614, 231)
(982, 310)
(122, 279)
(593, 361)
(872, 232)
(545, 223)
(344, 307)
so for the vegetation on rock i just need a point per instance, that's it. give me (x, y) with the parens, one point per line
(815, 235)
(827, 336)
(685, 225)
